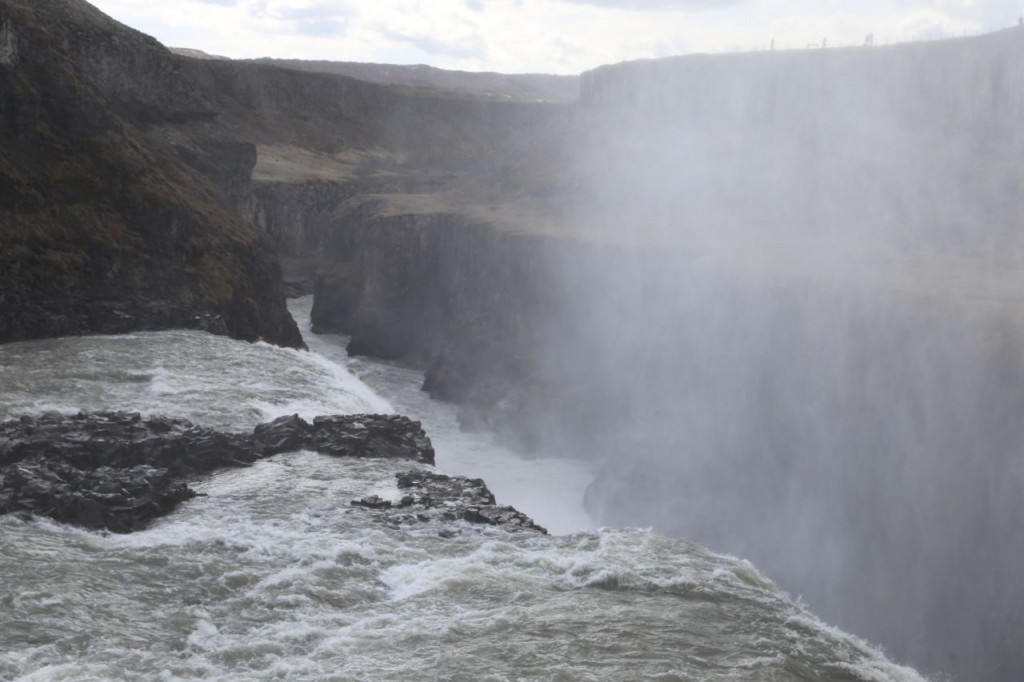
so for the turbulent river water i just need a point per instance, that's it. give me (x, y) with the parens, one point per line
(271, 574)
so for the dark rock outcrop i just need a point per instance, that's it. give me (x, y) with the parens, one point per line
(381, 436)
(127, 185)
(485, 313)
(386, 436)
(462, 300)
(436, 498)
(118, 471)
(105, 227)
(116, 499)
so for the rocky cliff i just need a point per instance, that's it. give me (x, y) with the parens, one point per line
(104, 229)
(687, 163)
(776, 296)
(132, 175)
(889, 140)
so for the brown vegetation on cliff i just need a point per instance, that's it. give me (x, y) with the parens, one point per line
(104, 230)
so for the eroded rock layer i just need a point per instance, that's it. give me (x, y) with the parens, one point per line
(118, 470)
(105, 228)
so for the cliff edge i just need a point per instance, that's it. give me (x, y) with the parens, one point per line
(105, 229)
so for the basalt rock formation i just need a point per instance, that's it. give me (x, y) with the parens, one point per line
(118, 471)
(105, 229)
(430, 498)
(132, 175)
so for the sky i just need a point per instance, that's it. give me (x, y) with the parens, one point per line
(542, 36)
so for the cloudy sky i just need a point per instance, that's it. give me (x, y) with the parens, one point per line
(551, 36)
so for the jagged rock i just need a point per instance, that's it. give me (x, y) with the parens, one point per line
(439, 498)
(118, 471)
(388, 436)
(284, 434)
(121, 500)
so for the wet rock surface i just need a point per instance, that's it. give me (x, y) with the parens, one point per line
(428, 497)
(118, 470)
(387, 436)
(120, 500)
(370, 436)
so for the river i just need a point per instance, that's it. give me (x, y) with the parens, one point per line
(272, 574)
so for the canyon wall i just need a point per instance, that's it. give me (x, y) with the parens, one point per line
(104, 229)
(776, 299)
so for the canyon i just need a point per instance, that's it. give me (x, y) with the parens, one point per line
(776, 296)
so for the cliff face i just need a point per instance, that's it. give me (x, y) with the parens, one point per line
(966, 78)
(104, 229)
(156, 153)
(772, 166)
(775, 296)
(886, 143)
(437, 290)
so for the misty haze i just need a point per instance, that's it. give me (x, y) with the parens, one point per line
(737, 336)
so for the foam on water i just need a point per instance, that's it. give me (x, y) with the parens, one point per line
(272, 574)
(210, 379)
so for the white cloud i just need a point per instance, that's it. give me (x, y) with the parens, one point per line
(563, 36)
(661, 4)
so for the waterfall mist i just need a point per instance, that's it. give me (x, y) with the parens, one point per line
(796, 332)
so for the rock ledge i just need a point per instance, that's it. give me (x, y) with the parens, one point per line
(118, 471)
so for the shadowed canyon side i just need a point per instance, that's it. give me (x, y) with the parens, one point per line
(776, 295)
(104, 229)
(822, 368)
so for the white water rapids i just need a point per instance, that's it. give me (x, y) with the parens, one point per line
(271, 574)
